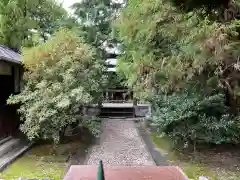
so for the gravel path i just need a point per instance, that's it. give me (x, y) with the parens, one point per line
(120, 144)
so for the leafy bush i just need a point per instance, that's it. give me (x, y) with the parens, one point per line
(63, 73)
(193, 118)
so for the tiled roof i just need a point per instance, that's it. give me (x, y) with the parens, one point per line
(9, 55)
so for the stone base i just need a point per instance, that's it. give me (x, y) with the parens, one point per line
(140, 110)
(143, 110)
(89, 172)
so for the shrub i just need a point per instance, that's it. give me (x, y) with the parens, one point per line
(62, 74)
(194, 118)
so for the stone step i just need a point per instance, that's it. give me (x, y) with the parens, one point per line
(117, 110)
(135, 119)
(5, 140)
(8, 158)
(116, 115)
(9, 146)
(127, 172)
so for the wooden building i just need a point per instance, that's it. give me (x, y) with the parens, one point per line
(119, 101)
(119, 93)
(10, 77)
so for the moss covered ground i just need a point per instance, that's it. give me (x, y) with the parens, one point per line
(218, 166)
(42, 161)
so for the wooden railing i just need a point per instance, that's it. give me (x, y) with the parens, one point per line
(118, 96)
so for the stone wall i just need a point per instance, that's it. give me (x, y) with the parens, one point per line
(91, 110)
(143, 110)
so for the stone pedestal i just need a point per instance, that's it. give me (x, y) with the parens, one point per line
(89, 172)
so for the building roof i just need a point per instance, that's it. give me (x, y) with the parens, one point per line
(9, 55)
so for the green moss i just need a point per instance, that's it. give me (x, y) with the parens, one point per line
(163, 143)
(192, 169)
(40, 162)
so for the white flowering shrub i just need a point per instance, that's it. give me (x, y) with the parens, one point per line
(62, 74)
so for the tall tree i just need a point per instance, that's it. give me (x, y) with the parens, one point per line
(96, 17)
(47, 14)
(21, 18)
(169, 44)
(182, 55)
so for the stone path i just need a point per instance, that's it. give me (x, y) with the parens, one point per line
(120, 144)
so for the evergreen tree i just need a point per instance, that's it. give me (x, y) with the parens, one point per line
(170, 44)
(184, 55)
(96, 17)
(21, 19)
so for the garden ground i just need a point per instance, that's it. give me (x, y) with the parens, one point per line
(44, 161)
(40, 162)
(222, 163)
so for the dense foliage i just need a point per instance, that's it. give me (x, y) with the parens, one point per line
(22, 20)
(63, 73)
(190, 119)
(174, 47)
(165, 47)
(96, 17)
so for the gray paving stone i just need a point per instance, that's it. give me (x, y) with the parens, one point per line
(120, 144)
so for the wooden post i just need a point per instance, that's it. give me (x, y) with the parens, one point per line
(112, 96)
(106, 96)
(134, 104)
